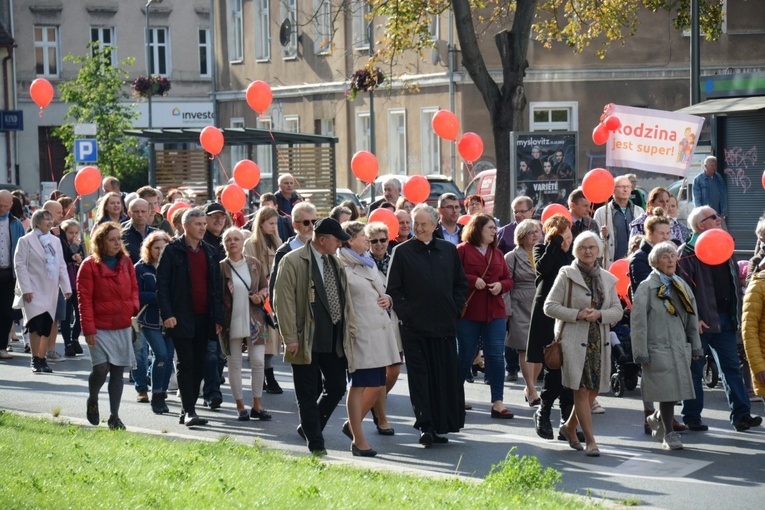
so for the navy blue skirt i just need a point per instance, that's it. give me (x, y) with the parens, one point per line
(367, 377)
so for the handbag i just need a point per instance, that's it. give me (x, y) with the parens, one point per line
(18, 298)
(255, 327)
(464, 308)
(134, 320)
(553, 353)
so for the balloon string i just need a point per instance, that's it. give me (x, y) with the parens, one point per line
(50, 156)
(72, 206)
(284, 160)
(469, 166)
(40, 113)
(222, 168)
(366, 188)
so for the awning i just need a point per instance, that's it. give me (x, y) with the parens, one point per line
(725, 105)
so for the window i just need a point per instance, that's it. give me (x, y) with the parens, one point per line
(238, 152)
(361, 9)
(362, 131)
(46, 51)
(262, 31)
(558, 116)
(322, 26)
(205, 57)
(291, 124)
(431, 143)
(433, 28)
(104, 36)
(236, 32)
(159, 51)
(397, 141)
(264, 160)
(288, 10)
(326, 127)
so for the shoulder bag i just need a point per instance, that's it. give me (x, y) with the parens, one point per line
(553, 353)
(134, 320)
(464, 308)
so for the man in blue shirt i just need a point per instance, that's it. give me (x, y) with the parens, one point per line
(709, 189)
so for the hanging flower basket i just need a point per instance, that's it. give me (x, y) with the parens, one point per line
(147, 86)
(364, 80)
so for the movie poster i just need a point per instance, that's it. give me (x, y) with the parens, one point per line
(545, 167)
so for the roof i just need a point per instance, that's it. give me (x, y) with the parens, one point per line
(725, 105)
(232, 136)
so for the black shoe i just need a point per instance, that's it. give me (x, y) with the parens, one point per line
(347, 430)
(44, 366)
(35, 365)
(27, 348)
(115, 423)
(426, 438)
(77, 347)
(362, 453)
(747, 421)
(158, 403)
(301, 433)
(261, 415)
(470, 378)
(374, 416)
(696, 425)
(386, 432)
(91, 413)
(542, 423)
(318, 452)
(579, 436)
(270, 383)
(69, 352)
(243, 415)
(194, 420)
(214, 404)
(439, 439)
(512, 376)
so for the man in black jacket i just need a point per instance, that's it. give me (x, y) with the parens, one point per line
(137, 228)
(189, 299)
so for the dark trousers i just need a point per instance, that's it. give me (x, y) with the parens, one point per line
(7, 284)
(552, 389)
(314, 406)
(511, 360)
(190, 362)
(213, 371)
(71, 332)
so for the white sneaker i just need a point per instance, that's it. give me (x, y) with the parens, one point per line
(4, 354)
(672, 441)
(597, 408)
(54, 356)
(658, 432)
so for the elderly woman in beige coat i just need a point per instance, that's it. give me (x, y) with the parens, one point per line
(665, 337)
(374, 347)
(583, 302)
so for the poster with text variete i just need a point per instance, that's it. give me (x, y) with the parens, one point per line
(653, 140)
(546, 166)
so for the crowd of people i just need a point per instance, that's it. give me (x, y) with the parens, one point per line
(348, 305)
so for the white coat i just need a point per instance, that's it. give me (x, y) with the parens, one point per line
(574, 337)
(602, 219)
(31, 276)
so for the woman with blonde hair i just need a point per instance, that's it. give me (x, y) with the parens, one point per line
(262, 245)
(110, 209)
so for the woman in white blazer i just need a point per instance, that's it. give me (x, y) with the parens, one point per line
(40, 271)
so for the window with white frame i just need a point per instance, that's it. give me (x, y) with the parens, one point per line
(362, 131)
(431, 143)
(322, 27)
(554, 116)
(288, 10)
(104, 36)
(327, 127)
(46, 51)
(291, 124)
(397, 141)
(262, 31)
(238, 152)
(159, 51)
(433, 28)
(360, 12)
(205, 54)
(264, 151)
(236, 31)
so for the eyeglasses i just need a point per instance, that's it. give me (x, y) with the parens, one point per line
(375, 241)
(588, 248)
(308, 222)
(713, 216)
(521, 211)
(626, 186)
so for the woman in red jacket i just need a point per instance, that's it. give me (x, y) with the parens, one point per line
(484, 317)
(107, 292)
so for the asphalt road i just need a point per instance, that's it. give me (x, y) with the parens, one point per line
(717, 469)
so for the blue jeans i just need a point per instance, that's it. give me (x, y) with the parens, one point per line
(161, 366)
(141, 349)
(214, 363)
(725, 352)
(493, 336)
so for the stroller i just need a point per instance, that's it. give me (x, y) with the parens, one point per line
(624, 371)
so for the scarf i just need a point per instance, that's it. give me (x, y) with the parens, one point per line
(673, 281)
(365, 260)
(51, 267)
(597, 282)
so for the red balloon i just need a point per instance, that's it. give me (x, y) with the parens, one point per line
(211, 139)
(464, 219)
(386, 216)
(446, 125)
(233, 198)
(715, 247)
(259, 96)
(470, 147)
(620, 268)
(600, 134)
(763, 179)
(365, 166)
(598, 185)
(247, 174)
(554, 209)
(41, 91)
(87, 181)
(416, 189)
(613, 123)
(175, 207)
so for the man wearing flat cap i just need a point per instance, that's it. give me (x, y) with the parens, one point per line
(316, 321)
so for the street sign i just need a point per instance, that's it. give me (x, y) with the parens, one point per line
(86, 150)
(85, 130)
(11, 120)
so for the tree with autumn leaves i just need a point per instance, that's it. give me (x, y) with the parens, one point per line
(577, 23)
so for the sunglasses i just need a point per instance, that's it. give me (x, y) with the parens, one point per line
(712, 216)
(308, 222)
(375, 241)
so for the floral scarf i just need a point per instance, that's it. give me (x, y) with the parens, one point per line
(673, 281)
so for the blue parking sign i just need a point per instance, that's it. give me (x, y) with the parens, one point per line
(86, 150)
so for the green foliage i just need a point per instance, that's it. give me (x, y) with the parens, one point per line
(98, 96)
(521, 473)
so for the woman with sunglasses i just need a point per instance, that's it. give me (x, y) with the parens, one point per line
(378, 245)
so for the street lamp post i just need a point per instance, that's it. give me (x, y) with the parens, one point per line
(150, 144)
